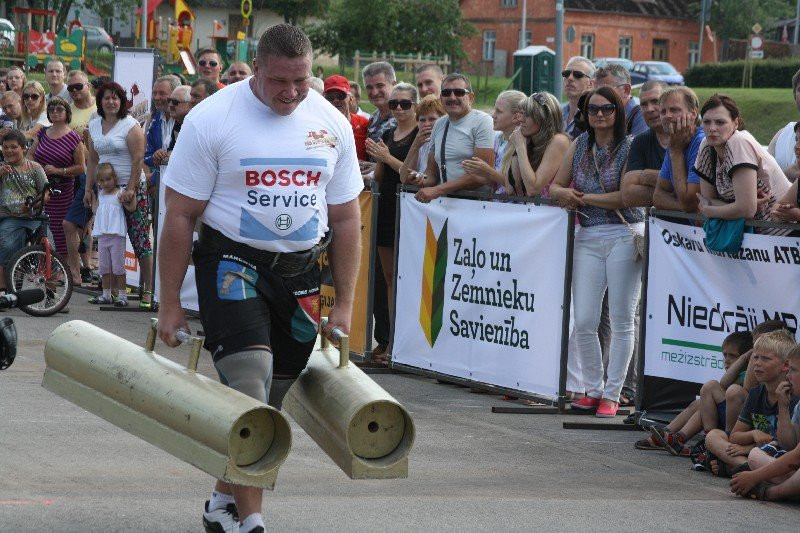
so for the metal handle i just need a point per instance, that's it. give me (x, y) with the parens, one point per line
(339, 336)
(182, 336)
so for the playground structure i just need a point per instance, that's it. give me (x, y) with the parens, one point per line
(34, 47)
(173, 37)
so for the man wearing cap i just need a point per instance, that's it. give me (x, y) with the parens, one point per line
(337, 92)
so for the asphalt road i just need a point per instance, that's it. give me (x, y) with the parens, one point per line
(64, 469)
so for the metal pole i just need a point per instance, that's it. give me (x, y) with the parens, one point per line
(523, 21)
(143, 35)
(559, 46)
(796, 22)
(702, 28)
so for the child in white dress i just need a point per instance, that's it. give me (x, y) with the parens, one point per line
(110, 230)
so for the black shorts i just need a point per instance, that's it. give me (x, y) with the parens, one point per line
(244, 304)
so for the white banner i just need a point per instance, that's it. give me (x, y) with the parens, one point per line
(696, 297)
(480, 289)
(189, 287)
(132, 272)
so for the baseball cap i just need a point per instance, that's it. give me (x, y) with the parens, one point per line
(336, 83)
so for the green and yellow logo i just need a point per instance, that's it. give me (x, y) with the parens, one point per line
(434, 266)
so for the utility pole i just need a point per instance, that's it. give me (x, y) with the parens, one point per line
(524, 21)
(560, 47)
(796, 22)
(703, 27)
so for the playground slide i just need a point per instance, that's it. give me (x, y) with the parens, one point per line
(93, 70)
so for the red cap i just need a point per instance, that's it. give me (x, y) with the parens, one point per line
(336, 83)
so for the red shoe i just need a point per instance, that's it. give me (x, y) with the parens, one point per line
(587, 402)
(607, 409)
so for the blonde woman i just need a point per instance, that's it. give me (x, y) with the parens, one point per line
(540, 137)
(34, 115)
(16, 80)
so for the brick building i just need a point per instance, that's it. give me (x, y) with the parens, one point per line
(640, 30)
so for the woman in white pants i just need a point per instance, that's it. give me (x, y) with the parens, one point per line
(605, 254)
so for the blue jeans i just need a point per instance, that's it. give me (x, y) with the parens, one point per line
(13, 234)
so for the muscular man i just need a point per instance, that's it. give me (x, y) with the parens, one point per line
(270, 169)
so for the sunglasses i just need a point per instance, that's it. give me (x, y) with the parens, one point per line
(577, 74)
(405, 105)
(607, 109)
(203, 63)
(458, 92)
(75, 87)
(175, 101)
(335, 96)
(33, 97)
(540, 99)
(57, 109)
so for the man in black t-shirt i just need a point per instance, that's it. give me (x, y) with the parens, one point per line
(647, 150)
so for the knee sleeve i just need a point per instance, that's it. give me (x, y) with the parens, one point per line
(280, 386)
(247, 371)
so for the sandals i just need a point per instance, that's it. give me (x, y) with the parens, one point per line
(744, 467)
(625, 400)
(759, 492)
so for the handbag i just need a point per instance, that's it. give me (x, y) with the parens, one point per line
(724, 235)
(638, 240)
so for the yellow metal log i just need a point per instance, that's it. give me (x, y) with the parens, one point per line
(353, 419)
(221, 431)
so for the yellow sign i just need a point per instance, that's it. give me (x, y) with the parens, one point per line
(67, 46)
(247, 8)
(358, 324)
(756, 28)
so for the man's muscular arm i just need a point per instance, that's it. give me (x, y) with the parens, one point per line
(173, 259)
(344, 253)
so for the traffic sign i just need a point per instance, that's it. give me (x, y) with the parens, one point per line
(756, 42)
(756, 54)
(756, 28)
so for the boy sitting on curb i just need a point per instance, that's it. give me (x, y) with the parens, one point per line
(735, 350)
(776, 478)
(758, 421)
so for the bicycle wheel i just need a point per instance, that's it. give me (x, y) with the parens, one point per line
(27, 270)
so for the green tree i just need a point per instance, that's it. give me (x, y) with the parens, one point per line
(735, 18)
(403, 26)
(295, 11)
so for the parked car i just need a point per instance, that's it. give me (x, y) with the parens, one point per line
(8, 34)
(97, 39)
(655, 70)
(603, 61)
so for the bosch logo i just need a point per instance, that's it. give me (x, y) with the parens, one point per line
(283, 221)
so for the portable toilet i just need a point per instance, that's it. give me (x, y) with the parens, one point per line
(534, 69)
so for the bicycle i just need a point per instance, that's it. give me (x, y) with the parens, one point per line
(37, 266)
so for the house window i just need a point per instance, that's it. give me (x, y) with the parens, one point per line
(694, 53)
(625, 46)
(508, 3)
(528, 37)
(488, 45)
(660, 49)
(587, 45)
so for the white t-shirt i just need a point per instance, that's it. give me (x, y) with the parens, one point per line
(474, 130)
(112, 147)
(268, 179)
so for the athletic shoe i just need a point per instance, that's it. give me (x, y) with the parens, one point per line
(587, 402)
(671, 442)
(607, 409)
(221, 520)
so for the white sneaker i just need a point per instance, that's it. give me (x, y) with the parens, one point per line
(224, 520)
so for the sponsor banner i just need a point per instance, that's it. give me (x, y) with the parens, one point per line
(480, 291)
(361, 309)
(135, 71)
(131, 265)
(697, 297)
(189, 288)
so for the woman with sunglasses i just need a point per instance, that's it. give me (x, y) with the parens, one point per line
(389, 155)
(115, 137)
(34, 116)
(62, 155)
(16, 80)
(605, 253)
(539, 137)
